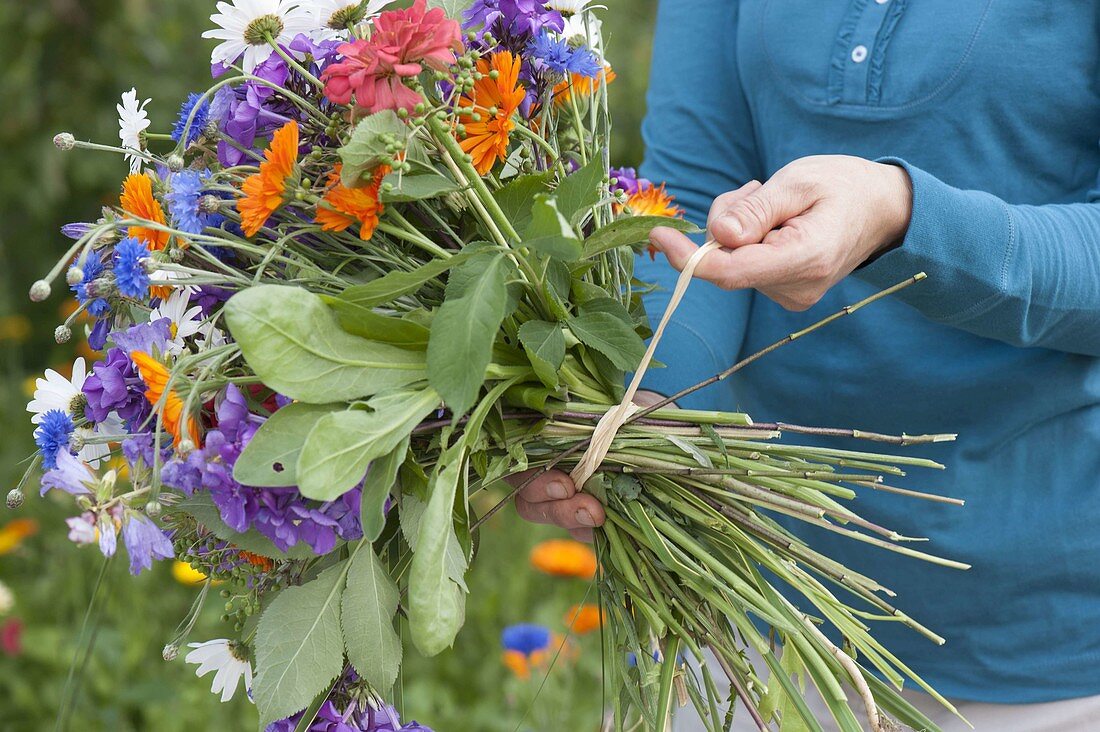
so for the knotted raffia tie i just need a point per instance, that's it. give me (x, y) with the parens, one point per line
(609, 424)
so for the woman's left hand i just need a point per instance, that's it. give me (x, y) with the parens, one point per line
(797, 235)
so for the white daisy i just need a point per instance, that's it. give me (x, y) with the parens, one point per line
(7, 599)
(569, 7)
(222, 655)
(57, 392)
(132, 121)
(94, 452)
(243, 27)
(575, 26)
(329, 18)
(210, 336)
(184, 321)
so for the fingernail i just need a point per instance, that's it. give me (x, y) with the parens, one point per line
(584, 518)
(735, 226)
(654, 243)
(557, 490)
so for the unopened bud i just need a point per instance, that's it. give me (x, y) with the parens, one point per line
(175, 254)
(15, 498)
(76, 441)
(40, 290)
(74, 276)
(170, 652)
(153, 509)
(62, 334)
(186, 447)
(175, 162)
(210, 204)
(64, 141)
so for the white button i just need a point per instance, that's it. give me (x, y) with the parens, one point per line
(882, 2)
(859, 53)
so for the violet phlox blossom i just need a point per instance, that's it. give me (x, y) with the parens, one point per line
(145, 541)
(512, 22)
(627, 181)
(115, 386)
(70, 474)
(403, 43)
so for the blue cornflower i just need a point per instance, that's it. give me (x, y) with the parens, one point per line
(52, 436)
(130, 275)
(92, 268)
(183, 201)
(198, 124)
(556, 55)
(525, 638)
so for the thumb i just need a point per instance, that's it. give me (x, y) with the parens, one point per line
(748, 220)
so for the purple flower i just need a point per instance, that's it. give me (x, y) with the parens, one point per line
(144, 337)
(115, 386)
(210, 298)
(105, 526)
(144, 541)
(52, 436)
(70, 475)
(129, 266)
(82, 528)
(76, 230)
(525, 638)
(627, 181)
(549, 54)
(97, 337)
(512, 22)
(198, 124)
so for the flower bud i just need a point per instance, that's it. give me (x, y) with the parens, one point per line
(153, 509)
(62, 334)
(186, 447)
(40, 290)
(210, 204)
(170, 652)
(74, 276)
(15, 498)
(76, 441)
(175, 162)
(64, 141)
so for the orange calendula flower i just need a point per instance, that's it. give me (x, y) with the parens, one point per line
(495, 100)
(343, 207)
(14, 532)
(264, 191)
(582, 86)
(653, 201)
(138, 201)
(256, 560)
(564, 558)
(583, 619)
(156, 375)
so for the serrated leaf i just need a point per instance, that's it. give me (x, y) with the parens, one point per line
(393, 285)
(580, 190)
(416, 187)
(436, 602)
(366, 149)
(549, 232)
(295, 345)
(412, 511)
(201, 508)
(341, 445)
(544, 344)
(461, 343)
(270, 459)
(299, 645)
(631, 231)
(610, 336)
(516, 197)
(369, 605)
(377, 487)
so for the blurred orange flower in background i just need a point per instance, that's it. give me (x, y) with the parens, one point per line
(583, 619)
(14, 532)
(564, 558)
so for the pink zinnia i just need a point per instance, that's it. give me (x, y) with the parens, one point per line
(11, 637)
(402, 43)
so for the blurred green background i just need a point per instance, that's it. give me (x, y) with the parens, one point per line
(66, 62)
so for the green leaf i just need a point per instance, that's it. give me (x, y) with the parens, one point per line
(341, 445)
(463, 330)
(203, 510)
(271, 457)
(366, 149)
(294, 343)
(437, 604)
(412, 512)
(391, 329)
(610, 336)
(391, 286)
(453, 8)
(416, 187)
(631, 231)
(299, 645)
(515, 197)
(549, 232)
(369, 606)
(377, 487)
(579, 191)
(545, 346)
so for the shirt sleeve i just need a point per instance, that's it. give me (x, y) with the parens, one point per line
(699, 141)
(1025, 275)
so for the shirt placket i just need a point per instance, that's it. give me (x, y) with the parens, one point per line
(857, 43)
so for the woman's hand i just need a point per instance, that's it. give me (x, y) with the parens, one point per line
(552, 498)
(797, 235)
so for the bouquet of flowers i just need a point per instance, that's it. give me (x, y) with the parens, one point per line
(381, 264)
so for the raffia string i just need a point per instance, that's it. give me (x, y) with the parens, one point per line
(609, 424)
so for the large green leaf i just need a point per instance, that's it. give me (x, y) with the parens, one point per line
(453, 8)
(549, 232)
(341, 445)
(416, 187)
(366, 149)
(437, 604)
(203, 510)
(391, 329)
(377, 487)
(299, 645)
(412, 512)
(370, 602)
(545, 346)
(463, 331)
(611, 336)
(516, 196)
(631, 231)
(391, 286)
(580, 190)
(294, 343)
(271, 457)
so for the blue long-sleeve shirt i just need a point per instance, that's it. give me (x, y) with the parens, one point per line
(993, 107)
